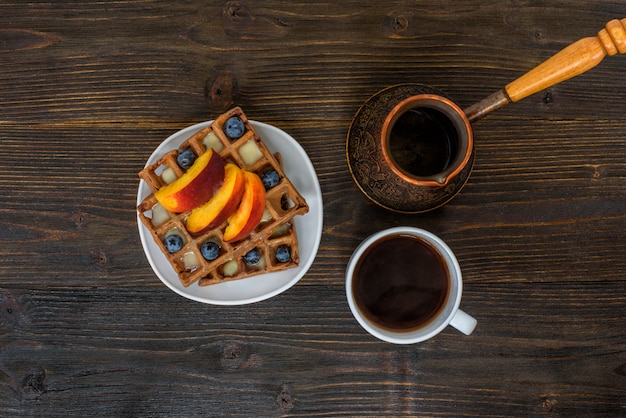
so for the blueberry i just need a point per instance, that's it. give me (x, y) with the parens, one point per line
(234, 127)
(185, 159)
(252, 257)
(210, 250)
(270, 178)
(283, 254)
(173, 243)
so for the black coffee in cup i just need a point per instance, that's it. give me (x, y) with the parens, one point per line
(401, 282)
(423, 142)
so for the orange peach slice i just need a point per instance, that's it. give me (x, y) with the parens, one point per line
(250, 210)
(196, 186)
(223, 203)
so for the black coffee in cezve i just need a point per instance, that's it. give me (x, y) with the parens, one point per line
(423, 142)
(401, 283)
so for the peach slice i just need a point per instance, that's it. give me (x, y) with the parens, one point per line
(223, 203)
(196, 186)
(250, 210)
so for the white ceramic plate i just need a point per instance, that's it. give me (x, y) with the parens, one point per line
(300, 171)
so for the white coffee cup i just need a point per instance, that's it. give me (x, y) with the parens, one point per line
(448, 313)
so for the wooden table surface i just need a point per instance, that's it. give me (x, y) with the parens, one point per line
(89, 89)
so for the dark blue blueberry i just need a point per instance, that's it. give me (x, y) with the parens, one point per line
(210, 250)
(252, 257)
(185, 159)
(283, 254)
(270, 178)
(173, 243)
(234, 127)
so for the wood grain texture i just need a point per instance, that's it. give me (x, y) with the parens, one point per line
(89, 89)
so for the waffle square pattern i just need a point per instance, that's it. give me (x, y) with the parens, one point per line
(213, 253)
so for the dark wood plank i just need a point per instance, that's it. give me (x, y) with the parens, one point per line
(155, 361)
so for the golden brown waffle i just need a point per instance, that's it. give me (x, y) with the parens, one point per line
(283, 202)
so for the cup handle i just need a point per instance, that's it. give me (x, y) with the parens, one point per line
(463, 322)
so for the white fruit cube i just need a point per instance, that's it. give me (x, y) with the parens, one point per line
(191, 261)
(168, 176)
(159, 214)
(231, 268)
(212, 141)
(250, 153)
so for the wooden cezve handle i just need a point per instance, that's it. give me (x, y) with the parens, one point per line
(567, 63)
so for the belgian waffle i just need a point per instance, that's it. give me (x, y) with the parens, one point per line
(283, 203)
